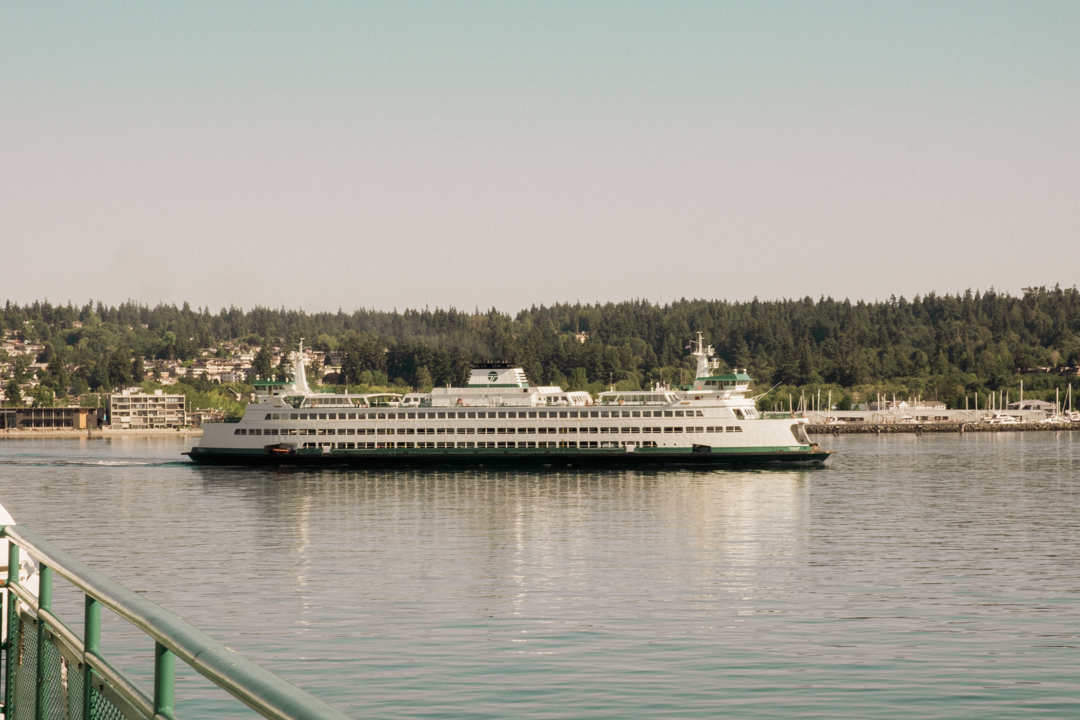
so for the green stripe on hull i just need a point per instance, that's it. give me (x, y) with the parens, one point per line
(739, 450)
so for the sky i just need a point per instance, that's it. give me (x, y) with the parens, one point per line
(324, 155)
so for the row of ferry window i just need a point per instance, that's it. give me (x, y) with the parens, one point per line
(501, 414)
(488, 431)
(466, 445)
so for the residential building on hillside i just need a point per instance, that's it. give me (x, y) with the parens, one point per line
(198, 417)
(220, 370)
(135, 410)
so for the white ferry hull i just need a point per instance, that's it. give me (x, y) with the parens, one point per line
(498, 419)
(591, 437)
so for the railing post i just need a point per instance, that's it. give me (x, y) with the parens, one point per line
(12, 616)
(45, 603)
(13, 563)
(91, 645)
(5, 646)
(164, 676)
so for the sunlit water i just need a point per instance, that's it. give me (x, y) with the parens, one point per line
(934, 576)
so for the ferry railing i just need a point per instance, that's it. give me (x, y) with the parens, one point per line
(51, 673)
(781, 415)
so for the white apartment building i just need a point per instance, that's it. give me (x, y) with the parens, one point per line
(139, 411)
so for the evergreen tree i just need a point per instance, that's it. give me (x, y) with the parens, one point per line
(119, 368)
(263, 365)
(944, 344)
(352, 363)
(282, 372)
(14, 393)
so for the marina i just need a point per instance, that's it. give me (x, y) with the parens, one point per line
(938, 427)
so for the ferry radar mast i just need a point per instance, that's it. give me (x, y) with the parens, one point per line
(299, 376)
(705, 366)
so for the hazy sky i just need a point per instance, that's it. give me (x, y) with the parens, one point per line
(324, 155)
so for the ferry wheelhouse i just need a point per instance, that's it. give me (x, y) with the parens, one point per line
(499, 418)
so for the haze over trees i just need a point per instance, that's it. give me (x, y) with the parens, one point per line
(935, 346)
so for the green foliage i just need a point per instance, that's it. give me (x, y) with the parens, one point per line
(353, 361)
(578, 380)
(423, 382)
(43, 397)
(943, 346)
(366, 388)
(324, 343)
(13, 393)
(263, 364)
(202, 394)
(19, 367)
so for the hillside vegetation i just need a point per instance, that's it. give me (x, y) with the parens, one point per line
(935, 346)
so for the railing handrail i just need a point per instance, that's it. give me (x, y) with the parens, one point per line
(255, 686)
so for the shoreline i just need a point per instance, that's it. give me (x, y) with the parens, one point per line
(812, 429)
(101, 433)
(918, 428)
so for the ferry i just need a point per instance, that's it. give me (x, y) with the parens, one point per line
(498, 418)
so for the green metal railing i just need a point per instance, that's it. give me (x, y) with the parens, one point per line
(52, 674)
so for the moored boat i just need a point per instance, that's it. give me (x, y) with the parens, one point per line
(498, 418)
(1001, 419)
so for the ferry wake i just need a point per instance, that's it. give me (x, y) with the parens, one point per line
(498, 418)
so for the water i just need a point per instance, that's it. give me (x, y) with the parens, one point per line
(933, 576)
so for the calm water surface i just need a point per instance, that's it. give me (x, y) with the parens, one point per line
(933, 577)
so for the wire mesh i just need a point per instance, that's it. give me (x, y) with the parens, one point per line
(25, 688)
(102, 709)
(74, 692)
(62, 682)
(54, 686)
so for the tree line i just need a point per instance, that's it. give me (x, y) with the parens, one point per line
(935, 346)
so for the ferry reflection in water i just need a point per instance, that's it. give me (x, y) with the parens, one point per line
(565, 548)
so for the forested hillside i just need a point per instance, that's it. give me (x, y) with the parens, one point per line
(942, 346)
